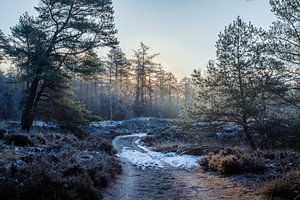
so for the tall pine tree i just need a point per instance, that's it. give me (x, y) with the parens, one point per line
(57, 44)
(284, 43)
(229, 91)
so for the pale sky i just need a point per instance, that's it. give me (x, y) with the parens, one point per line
(184, 32)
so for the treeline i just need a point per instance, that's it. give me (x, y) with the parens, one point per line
(54, 55)
(120, 88)
(11, 95)
(134, 87)
(255, 80)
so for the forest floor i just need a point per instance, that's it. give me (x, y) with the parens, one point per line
(159, 160)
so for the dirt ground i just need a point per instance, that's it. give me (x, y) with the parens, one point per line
(169, 183)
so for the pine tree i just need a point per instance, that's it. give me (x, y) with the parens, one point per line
(3, 43)
(143, 64)
(117, 67)
(284, 43)
(187, 91)
(57, 44)
(229, 91)
(285, 32)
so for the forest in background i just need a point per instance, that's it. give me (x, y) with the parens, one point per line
(121, 88)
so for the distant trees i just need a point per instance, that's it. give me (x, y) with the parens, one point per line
(11, 94)
(6, 103)
(125, 84)
(2, 41)
(118, 67)
(57, 45)
(144, 67)
(188, 92)
(167, 94)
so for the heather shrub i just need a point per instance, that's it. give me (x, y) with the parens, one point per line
(98, 143)
(284, 188)
(48, 180)
(83, 190)
(276, 133)
(276, 189)
(28, 183)
(43, 185)
(18, 140)
(58, 166)
(230, 163)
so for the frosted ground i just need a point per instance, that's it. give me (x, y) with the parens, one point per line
(142, 157)
(150, 159)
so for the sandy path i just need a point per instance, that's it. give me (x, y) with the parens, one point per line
(153, 184)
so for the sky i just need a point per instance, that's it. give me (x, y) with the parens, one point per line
(184, 32)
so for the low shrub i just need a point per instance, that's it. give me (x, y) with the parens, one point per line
(82, 190)
(282, 188)
(48, 185)
(276, 189)
(61, 181)
(278, 134)
(3, 132)
(59, 166)
(18, 140)
(230, 164)
(98, 143)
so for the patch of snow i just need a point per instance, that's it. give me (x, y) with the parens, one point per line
(139, 159)
(112, 124)
(154, 159)
(145, 118)
(140, 135)
(105, 124)
(181, 161)
(176, 160)
(132, 122)
(137, 141)
(231, 127)
(43, 124)
(219, 133)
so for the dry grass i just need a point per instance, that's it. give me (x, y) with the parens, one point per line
(214, 186)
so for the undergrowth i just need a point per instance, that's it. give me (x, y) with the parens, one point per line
(55, 166)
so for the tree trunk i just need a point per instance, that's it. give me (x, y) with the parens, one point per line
(110, 95)
(137, 109)
(249, 137)
(28, 114)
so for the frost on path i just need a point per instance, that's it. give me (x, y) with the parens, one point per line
(139, 159)
(43, 124)
(154, 159)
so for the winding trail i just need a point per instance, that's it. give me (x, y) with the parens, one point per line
(152, 183)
